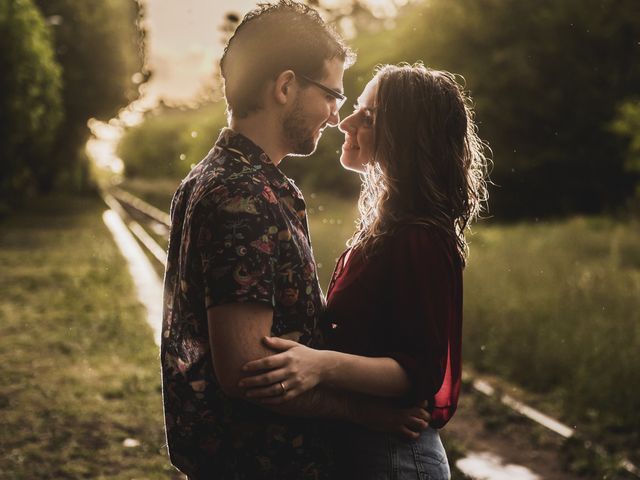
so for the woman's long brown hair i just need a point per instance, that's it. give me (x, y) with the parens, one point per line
(429, 166)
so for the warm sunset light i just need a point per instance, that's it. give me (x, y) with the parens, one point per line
(319, 239)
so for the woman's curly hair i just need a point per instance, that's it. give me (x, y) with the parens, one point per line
(429, 166)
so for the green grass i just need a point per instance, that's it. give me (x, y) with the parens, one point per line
(79, 371)
(555, 308)
(331, 223)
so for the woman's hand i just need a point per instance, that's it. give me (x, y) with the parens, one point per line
(407, 423)
(283, 376)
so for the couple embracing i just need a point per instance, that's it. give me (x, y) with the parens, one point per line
(263, 378)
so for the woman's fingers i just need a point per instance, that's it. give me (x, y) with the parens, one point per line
(274, 390)
(407, 433)
(265, 363)
(263, 379)
(422, 413)
(277, 343)
(278, 399)
(416, 424)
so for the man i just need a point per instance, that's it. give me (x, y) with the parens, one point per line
(240, 265)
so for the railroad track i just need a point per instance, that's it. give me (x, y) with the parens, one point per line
(133, 210)
(135, 213)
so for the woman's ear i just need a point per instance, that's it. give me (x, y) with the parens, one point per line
(284, 87)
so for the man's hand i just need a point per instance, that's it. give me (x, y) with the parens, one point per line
(404, 422)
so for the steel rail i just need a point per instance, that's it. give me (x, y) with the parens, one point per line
(140, 233)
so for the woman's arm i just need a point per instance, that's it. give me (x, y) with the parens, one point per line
(379, 376)
(298, 368)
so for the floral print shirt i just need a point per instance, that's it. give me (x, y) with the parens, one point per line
(239, 234)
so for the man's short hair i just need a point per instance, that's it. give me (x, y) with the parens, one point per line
(272, 38)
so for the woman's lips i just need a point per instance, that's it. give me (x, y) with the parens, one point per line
(348, 145)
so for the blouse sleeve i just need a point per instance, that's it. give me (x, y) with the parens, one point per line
(425, 329)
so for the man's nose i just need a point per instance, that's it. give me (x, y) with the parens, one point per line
(334, 118)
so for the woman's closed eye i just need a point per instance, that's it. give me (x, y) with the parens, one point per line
(367, 117)
(365, 113)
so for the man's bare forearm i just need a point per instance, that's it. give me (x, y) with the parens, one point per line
(370, 412)
(323, 403)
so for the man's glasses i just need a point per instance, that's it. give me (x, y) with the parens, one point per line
(340, 98)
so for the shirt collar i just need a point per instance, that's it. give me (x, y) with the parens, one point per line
(238, 144)
(234, 141)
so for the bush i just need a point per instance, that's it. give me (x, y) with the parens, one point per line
(30, 96)
(627, 125)
(170, 141)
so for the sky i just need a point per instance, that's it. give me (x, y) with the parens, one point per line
(185, 42)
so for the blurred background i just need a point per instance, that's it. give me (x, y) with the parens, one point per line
(97, 94)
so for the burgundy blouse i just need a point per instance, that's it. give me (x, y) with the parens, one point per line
(404, 302)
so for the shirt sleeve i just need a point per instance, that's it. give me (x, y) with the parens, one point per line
(425, 295)
(236, 237)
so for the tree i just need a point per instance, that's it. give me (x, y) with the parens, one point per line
(627, 125)
(30, 95)
(100, 45)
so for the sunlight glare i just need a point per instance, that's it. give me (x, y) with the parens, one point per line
(487, 466)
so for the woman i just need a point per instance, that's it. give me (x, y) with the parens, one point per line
(395, 299)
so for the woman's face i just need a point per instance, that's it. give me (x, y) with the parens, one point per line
(358, 130)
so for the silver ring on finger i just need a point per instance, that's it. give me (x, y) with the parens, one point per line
(284, 389)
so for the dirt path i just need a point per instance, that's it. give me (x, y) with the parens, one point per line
(480, 426)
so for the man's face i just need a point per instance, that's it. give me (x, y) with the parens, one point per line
(312, 110)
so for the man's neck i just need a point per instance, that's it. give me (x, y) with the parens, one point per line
(264, 132)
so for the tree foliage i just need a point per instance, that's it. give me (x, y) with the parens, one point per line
(100, 45)
(62, 62)
(171, 140)
(627, 125)
(30, 95)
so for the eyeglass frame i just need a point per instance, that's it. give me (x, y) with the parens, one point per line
(341, 98)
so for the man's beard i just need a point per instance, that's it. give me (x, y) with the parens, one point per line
(298, 134)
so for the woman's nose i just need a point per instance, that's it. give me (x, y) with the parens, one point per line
(346, 126)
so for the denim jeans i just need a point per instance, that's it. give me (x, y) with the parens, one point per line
(366, 455)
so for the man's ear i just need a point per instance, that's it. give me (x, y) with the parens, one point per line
(285, 86)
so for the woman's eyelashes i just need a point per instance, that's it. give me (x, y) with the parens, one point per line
(365, 113)
(367, 118)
